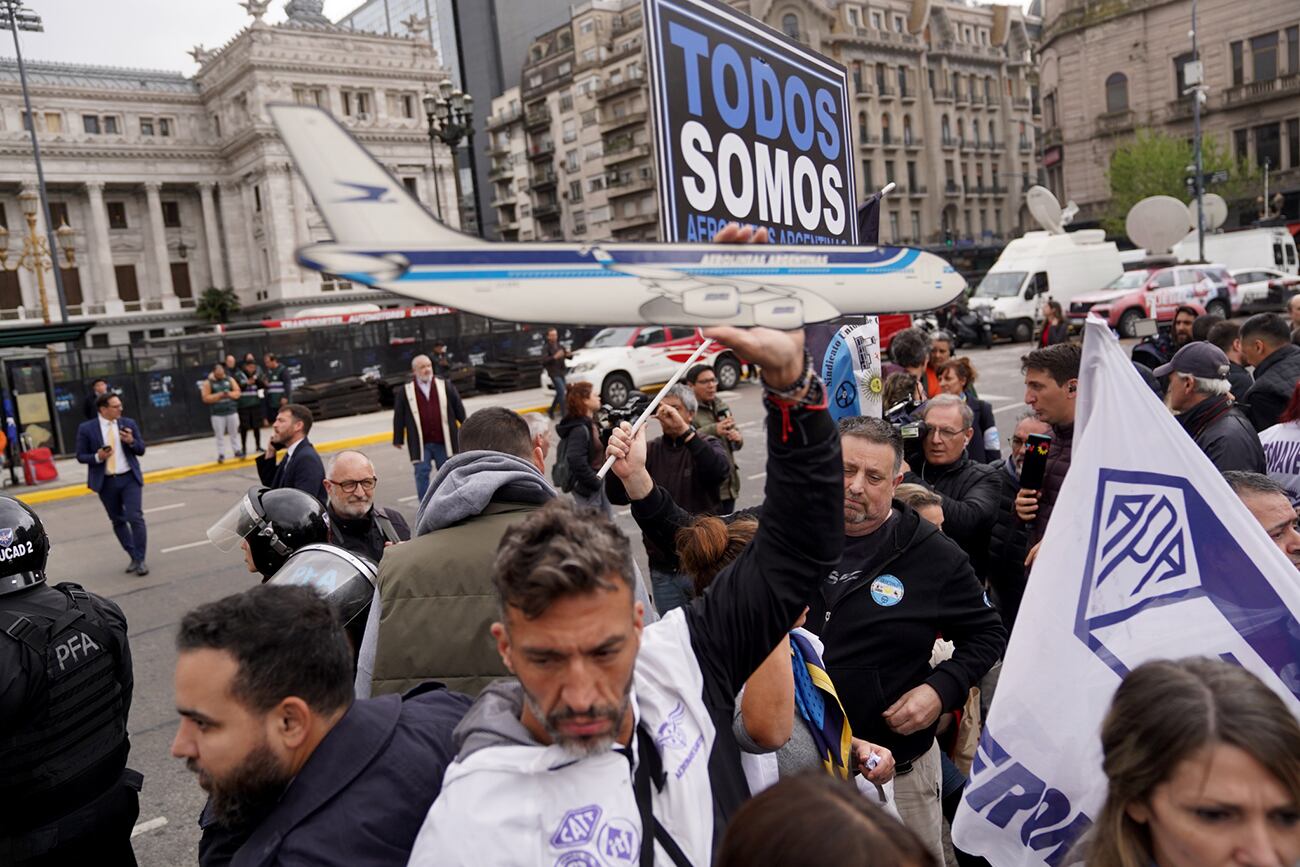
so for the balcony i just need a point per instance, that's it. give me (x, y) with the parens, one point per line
(616, 189)
(542, 180)
(1052, 137)
(547, 211)
(913, 143)
(976, 100)
(623, 153)
(889, 142)
(541, 151)
(506, 200)
(996, 147)
(498, 148)
(501, 170)
(1262, 91)
(1180, 109)
(941, 94)
(615, 122)
(1115, 122)
(1020, 103)
(1025, 146)
(948, 143)
(608, 90)
(863, 90)
(537, 116)
(868, 140)
(992, 103)
(997, 190)
(503, 118)
(916, 191)
(622, 224)
(873, 37)
(885, 89)
(960, 98)
(625, 24)
(907, 93)
(968, 146)
(952, 190)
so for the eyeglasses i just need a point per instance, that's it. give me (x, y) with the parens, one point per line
(706, 382)
(946, 434)
(348, 487)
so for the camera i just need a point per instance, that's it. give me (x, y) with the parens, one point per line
(912, 430)
(609, 417)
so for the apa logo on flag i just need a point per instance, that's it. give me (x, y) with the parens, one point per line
(1149, 555)
(852, 372)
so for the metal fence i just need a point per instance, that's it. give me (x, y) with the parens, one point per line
(159, 381)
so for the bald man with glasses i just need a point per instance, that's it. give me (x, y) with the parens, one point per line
(356, 523)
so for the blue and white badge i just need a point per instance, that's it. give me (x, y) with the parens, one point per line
(887, 590)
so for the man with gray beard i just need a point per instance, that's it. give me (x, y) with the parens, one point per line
(356, 523)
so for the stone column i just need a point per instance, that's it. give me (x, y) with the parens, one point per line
(235, 222)
(278, 223)
(100, 251)
(216, 267)
(258, 276)
(158, 240)
(301, 202)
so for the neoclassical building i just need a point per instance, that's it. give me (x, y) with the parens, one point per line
(172, 184)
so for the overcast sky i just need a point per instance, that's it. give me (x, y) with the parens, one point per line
(144, 34)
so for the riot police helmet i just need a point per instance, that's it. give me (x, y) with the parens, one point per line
(24, 547)
(274, 523)
(346, 579)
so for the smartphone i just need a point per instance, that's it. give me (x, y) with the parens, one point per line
(726, 413)
(1031, 474)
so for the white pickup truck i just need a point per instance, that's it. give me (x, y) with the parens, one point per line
(619, 360)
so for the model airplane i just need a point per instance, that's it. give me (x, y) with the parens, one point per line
(384, 238)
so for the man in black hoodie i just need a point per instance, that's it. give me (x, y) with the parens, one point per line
(1266, 344)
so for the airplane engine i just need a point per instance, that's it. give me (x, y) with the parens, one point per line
(711, 302)
(782, 313)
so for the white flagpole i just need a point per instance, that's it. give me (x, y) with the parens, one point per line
(640, 422)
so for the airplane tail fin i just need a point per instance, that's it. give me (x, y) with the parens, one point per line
(361, 202)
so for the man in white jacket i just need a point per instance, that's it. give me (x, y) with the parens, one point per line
(614, 744)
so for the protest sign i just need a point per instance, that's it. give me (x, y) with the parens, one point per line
(1149, 555)
(851, 370)
(750, 127)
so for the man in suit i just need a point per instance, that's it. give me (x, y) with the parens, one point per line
(90, 406)
(427, 413)
(111, 446)
(301, 467)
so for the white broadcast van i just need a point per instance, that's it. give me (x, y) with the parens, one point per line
(1270, 247)
(1041, 266)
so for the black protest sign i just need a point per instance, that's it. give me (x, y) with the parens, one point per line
(750, 127)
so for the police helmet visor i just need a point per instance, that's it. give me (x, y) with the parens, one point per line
(343, 578)
(237, 524)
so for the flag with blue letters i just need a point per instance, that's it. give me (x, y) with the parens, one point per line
(851, 370)
(1148, 555)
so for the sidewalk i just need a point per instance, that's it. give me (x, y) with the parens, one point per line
(194, 457)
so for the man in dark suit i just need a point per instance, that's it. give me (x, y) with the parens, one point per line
(111, 446)
(301, 467)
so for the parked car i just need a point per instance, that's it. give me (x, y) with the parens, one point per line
(1264, 289)
(1143, 292)
(619, 361)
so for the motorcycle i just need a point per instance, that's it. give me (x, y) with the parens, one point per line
(968, 326)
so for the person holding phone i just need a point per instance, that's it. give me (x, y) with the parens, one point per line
(1051, 387)
(715, 419)
(111, 446)
(1009, 537)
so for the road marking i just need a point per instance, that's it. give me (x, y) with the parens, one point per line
(164, 508)
(183, 547)
(624, 513)
(408, 499)
(146, 827)
(757, 476)
(1008, 406)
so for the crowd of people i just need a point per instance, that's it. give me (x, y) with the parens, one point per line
(798, 682)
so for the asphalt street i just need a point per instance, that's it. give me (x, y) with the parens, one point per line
(187, 570)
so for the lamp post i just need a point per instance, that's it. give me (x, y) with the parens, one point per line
(36, 255)
(450, 115)
(14, 17)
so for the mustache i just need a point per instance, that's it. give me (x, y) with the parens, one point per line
(611, 713)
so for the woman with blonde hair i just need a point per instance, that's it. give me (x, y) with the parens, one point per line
(1202, 762)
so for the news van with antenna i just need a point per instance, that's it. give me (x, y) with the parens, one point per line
(1049, 264)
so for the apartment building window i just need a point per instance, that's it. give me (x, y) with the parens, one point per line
(1293, 50)
(566, 100)
(902, 80)
(1238, 64)
(857, 76)
(855, 16)
(1049, 110)
(116, 215)
(893, 226)
(1180, 73)
(589, 117)
(564, 69)
(90, 122)
(586, 26)
(575, 191)
(171, 214)
(579, 222)
(356, 103)
(411, 187)
(907, 129)
(1293, 142)
(534, 80)
(1268, 145)
(889, 171)
(50, 121)
(164, 127)
(916, 225)
(886, 134)
(880, 78)
(1263, 55)
(945, 128)
(900, 24)
(988, 88)
(930, 74)
(257, 198)
(867, 175)
(146, 126)
(863, 129)
(59, 213)
(993, 138)
(1239, 147)
(911, 175)
(790, 25)
(110, 124)
(570, 130)
(997, 216)
(595, 184)
(877, 21)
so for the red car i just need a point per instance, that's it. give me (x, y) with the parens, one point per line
(1146, 292)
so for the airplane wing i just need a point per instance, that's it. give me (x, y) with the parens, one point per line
(361, 202)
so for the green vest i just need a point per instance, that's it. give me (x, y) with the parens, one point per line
(221, 386)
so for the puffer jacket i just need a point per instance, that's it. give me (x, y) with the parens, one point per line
(1275, 379)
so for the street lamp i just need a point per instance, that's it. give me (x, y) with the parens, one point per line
(36, 256)
(14, 17)
(450, 116)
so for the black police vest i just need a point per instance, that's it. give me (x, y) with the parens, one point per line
(77, 729)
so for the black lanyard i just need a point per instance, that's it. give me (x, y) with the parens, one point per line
(651, 765)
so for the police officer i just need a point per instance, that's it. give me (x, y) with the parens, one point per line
(65, 691)
(345, 578)
(270, 524)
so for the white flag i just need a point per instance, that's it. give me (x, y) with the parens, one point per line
(1148, 555)
(851, 370)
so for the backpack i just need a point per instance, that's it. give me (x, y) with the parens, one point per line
(560, 472)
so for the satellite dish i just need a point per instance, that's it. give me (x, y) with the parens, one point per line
(1216, 211)
(1157, 223)
(1046, 210)
(1068, 215)
(918, 16)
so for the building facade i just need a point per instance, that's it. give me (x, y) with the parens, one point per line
(172, 184)
(1109, 70)
(943, 97)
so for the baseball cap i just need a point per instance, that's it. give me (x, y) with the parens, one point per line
(1200, 359)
